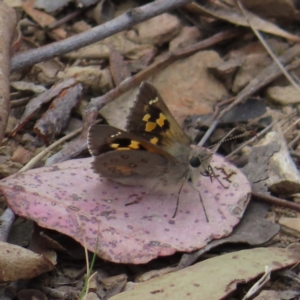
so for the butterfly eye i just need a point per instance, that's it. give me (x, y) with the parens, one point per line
(195, 162)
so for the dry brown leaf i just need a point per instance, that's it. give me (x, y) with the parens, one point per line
(19, 263)
(156, 31)
(236, 16)
(283, 9)
(118, 68)
(57, 116)
(37, 102)
(43, 19)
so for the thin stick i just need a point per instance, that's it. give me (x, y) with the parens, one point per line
(38, 157)
(268, 49)
(65, 19)
(96, 34)
(276, 201)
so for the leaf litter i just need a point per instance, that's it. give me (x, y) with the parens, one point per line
(70, 199)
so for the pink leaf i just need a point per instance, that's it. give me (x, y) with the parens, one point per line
(70, 198)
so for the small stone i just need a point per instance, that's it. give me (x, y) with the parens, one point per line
(283, 95)
(21, 155)
(11, 124)
(290, 225)
(27, 138)
(156, 31)
(189, 35)
(92, 296)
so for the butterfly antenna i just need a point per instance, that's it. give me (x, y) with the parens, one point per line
(226, 138)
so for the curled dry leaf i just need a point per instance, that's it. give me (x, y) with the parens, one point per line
(8, 24)
(283, 10)
(58, 114)
(43, 19)
(236, 16)
(118, 68)
(78, 145)
(71, 199)
(19, 263)
(37, 102)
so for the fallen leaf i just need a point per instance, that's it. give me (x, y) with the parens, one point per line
(118, 67)
(43, 19)
(57, 116)
(270, 9)
(214, 278)
(37, 102)
(19, 263)
(98, 80)
(28, 86)
(73, 200)
(235, 15)
(257, 168)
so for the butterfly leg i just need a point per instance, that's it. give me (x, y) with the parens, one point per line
(178, 195)
(203, 206)
(194, 177)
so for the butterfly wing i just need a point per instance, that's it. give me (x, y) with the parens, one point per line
(151, 119)
(124, 157)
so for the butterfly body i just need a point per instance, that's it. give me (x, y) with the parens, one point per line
(153, 151)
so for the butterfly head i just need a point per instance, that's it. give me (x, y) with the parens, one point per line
(200, 159)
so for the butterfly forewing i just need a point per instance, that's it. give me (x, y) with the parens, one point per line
(106, 138)
(151, 119)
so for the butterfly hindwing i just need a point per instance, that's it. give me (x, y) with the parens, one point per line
(122, 155)
(151, 119)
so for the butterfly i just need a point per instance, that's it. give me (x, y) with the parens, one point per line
(154, 150)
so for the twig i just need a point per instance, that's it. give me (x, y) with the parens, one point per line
(295, 154)
(291, 126)
(268, 49)
(276, 201)
(208, 132)
(38, 157)
(282, 122)
(19, 102)
(98, 33)
(164, 61)
(6, 221)
(294, 141)
(65, 19)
